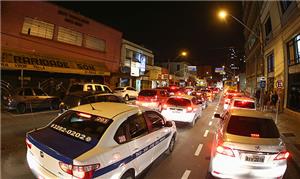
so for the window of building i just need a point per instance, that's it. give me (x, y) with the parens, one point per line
(285, 4)
(268, 26)
(69, 36)
(94, 43)
(270, 61)
(178, 68)
(149, 60)
(293, 50)
(37, 28)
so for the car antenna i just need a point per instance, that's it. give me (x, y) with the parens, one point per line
(92, 106)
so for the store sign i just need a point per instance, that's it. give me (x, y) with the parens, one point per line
(135, 69)
(192, 68)
(16, 60)
(219, 70)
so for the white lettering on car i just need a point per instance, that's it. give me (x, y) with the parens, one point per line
(70, 132)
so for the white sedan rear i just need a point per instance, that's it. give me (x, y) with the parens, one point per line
(182, 109)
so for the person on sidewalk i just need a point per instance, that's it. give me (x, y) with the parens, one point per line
(266, 101)
(274, 99)
(257, 96)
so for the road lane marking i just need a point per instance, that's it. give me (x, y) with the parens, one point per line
(206, 132)
(210, 123)
(198, 150)
(212, 117)
(186, 174)
(215, 112)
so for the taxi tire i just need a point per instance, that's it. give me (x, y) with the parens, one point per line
(128, 175)
(171, 146)
(192, 124)
(21, 108)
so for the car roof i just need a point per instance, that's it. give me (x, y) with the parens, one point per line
(243, 98)
(183, 96)
(250, 113)
(107, 109)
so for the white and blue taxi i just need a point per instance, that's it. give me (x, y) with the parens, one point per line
(99, 140)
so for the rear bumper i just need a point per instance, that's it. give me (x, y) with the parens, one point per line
(37, 170)
(224, 167)
(184, 117)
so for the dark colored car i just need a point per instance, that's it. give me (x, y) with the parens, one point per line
(80, 98)
(30, 98)
(152, 98)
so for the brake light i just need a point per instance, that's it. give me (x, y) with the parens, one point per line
(225, 151)
(84, 115)
(165, 106)
(29, 145)
(79, 171)
(282, 155)
(255, 135)
(189, 109)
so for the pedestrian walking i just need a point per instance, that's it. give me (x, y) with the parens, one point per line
(266, 101)
(257, 96)
(274, 99)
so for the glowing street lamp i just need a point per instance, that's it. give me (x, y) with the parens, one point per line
(222, 14)
(183, 53)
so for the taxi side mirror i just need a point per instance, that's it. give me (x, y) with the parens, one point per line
(168, 124)
(217, 116)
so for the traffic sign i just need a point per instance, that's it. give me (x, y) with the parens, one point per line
(262, 84)
(279, 84)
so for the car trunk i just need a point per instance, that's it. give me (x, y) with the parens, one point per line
(49, 147)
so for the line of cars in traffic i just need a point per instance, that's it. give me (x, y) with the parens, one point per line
(109, 139)
(247, 142)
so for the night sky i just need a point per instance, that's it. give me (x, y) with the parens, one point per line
(167, 27)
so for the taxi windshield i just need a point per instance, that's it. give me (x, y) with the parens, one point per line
(82, 123)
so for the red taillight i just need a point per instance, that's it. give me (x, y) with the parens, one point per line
(282, 155)
(79, 171)
(189, 109)
(255, 135)
(29, 145)
(165, 106)
(225, 151)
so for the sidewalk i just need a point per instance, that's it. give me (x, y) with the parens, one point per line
(289, 128)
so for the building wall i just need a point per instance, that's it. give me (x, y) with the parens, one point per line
(13, 14)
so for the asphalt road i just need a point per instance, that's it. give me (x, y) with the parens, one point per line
(190, 158)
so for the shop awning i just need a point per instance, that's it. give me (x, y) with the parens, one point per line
(17, 61)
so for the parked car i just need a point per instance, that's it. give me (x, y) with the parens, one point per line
(110, 140)
(80, 98)
(182, 109)
(30, 98)
(89, 87)
(126, 92)
(247, 144)
(152, 98)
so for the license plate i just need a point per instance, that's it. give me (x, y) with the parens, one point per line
(254, 158)
(175, 111)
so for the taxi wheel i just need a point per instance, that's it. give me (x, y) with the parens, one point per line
(193, 123)
(21, 108)
(126, 97)
(128, 175)
(171, 146)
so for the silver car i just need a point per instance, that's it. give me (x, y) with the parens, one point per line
(247, 144)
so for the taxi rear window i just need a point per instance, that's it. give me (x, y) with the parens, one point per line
(247, 126)
(179, 102)
(244, 104)
(82, 126)
(147, 93)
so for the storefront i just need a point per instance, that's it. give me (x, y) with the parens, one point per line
(30, 69)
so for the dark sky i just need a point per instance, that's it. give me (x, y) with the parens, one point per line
(167, 27)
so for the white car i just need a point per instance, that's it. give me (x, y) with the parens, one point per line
(182, 109)
(126, 92)
(247, 144)
(89, 87)
(99, 140)
(242, 103)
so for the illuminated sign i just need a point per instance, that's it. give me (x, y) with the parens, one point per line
(192, 68)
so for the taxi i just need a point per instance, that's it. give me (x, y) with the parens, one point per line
(183, 108)
(247, 144)
(99, 140)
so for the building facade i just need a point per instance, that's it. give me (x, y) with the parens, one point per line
(136, 65)
(179, 72)
(60, 45)
(281, 34)
(279, 24)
